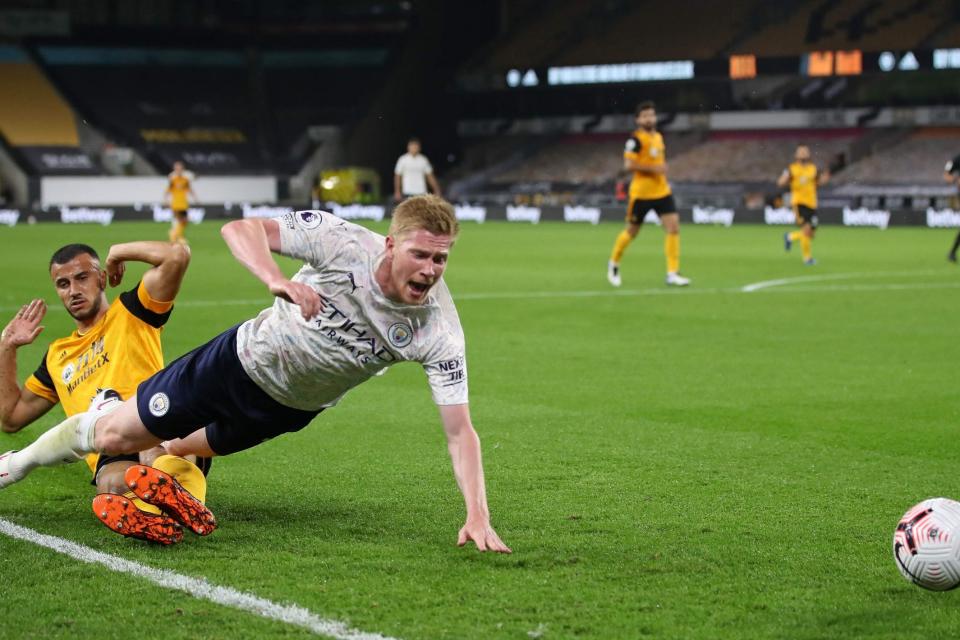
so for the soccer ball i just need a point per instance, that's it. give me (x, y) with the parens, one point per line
(926, 544)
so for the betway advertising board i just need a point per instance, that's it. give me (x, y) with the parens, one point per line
(481, 213)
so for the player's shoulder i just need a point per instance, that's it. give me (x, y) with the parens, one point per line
(136, 303)
(633, 143)
(330, 229)
(443, 305)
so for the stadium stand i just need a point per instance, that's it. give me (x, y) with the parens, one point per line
(916, 160)
(307, 88)
(540, 30)
(36, 123)
(587, 160)
(223, 111)
(628, 32)
(797, 27)
(758, 156)
(173, 104)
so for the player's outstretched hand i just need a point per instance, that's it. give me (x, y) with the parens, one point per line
(25, 326)
(299, 294)
(115, 270)
(483, 536)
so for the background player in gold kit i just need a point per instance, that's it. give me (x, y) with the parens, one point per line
(114, 346)
(645, 156)
(951, 174)
(803, 177)
(178, 195)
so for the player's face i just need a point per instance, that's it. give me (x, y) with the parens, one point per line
(80, 284)
(178, 167)
(647, 119)
(418, 259)
(802, 154)
(413, 148)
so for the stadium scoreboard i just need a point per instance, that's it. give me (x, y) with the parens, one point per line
(740, 66)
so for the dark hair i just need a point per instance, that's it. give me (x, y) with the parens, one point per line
(646, 104)
(65, 254)
(411, 140)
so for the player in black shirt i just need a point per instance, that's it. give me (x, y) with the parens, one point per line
(951, 173)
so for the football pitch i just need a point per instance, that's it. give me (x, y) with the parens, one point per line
(723, 461)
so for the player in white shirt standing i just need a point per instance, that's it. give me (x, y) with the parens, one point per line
(412, 173)
(360, 303)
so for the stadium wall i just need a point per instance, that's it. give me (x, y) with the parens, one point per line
(119, 191)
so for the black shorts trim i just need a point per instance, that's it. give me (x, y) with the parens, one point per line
(209, 389)
(203, 464)
(637, 208)
(180, 214)
(806, 215)
(104, 460)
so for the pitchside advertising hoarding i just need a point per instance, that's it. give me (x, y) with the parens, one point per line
(481, 213)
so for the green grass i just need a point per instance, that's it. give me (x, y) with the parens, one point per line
(699, 463)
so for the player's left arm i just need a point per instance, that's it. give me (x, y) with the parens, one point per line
(434, 185)
(432, 180)
(635, 164)
(951, 172)
(823, 177)
(784, 178)
(464, 446)
(162, 281)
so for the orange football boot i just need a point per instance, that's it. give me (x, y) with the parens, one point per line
(162, 490)
(121, 516)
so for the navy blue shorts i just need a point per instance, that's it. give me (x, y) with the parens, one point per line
(209, 386)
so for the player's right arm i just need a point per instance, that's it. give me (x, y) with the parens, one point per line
(633, 162)
(251, 240)
(18, 405)
(169, 262)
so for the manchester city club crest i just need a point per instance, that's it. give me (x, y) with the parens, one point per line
(400, 334)
(159, 404)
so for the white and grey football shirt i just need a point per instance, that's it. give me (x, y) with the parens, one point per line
(413, 171)
(310, 364)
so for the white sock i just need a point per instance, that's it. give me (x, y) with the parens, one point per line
(67, 442)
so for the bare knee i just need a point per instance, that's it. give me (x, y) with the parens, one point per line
(110, 477)
(147, 457)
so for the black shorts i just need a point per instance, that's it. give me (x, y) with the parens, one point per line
(102, 461)
(637, 209)
(806, 215)
(180, 215)
(209, 386)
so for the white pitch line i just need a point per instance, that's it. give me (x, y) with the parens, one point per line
(855, 288)
(766, 284)
(196, 587)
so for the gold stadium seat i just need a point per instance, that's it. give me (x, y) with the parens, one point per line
(32, 113)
